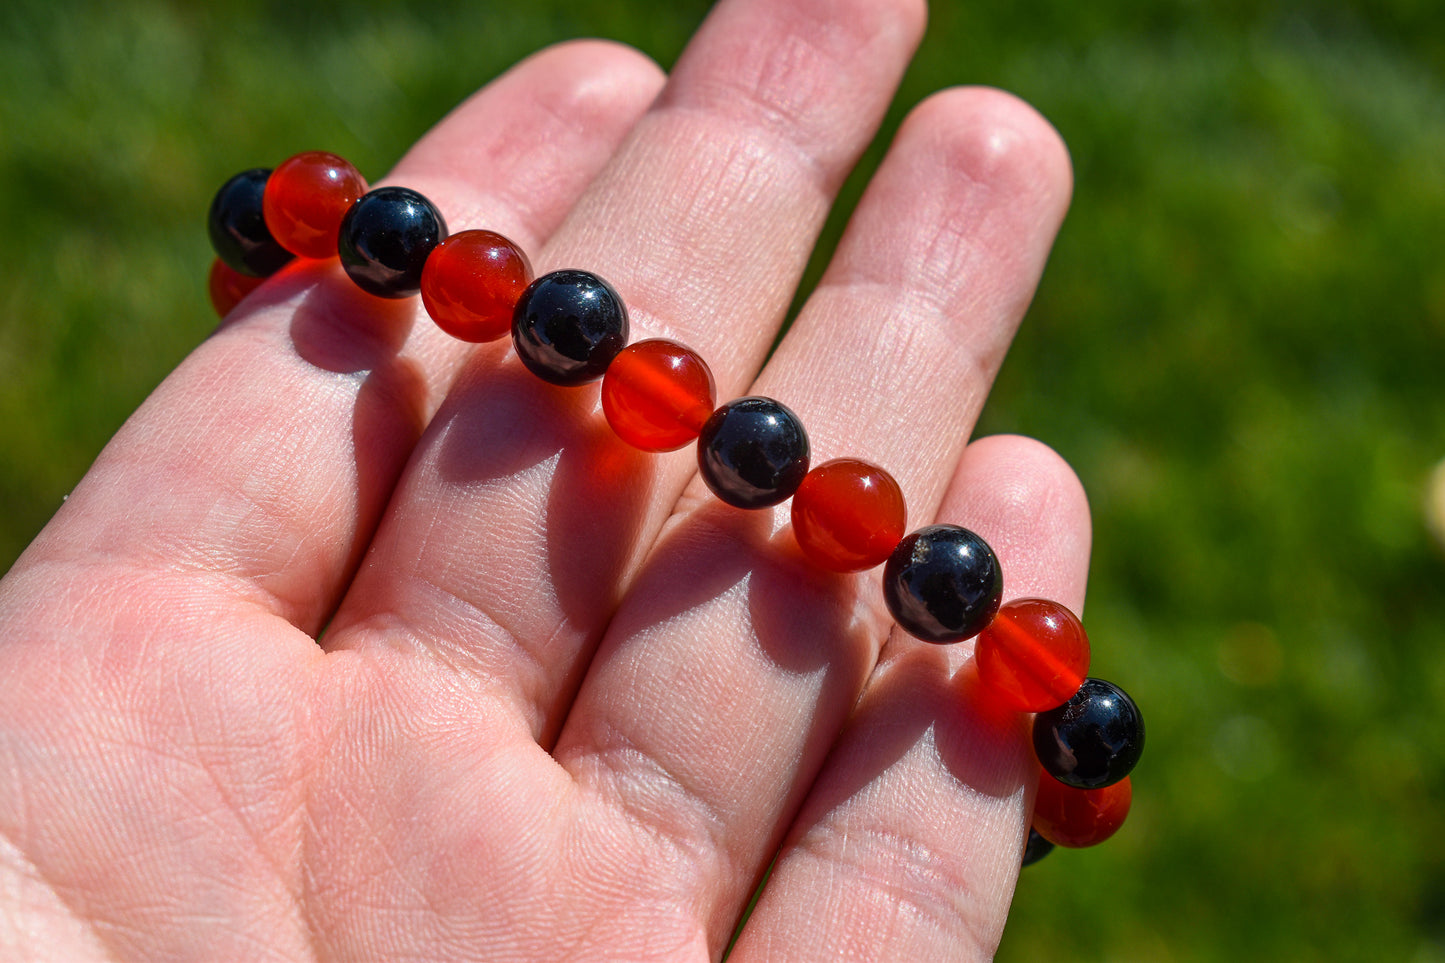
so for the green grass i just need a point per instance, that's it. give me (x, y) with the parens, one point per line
(1238, 344)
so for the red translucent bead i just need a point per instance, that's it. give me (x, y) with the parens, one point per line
(848, 515)
(1034, 655)
(1066, 816)
(472, 282)
(657, 394)
(306, 198)
(227, 286)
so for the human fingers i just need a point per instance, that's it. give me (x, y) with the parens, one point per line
(908, 845)
(522, 519)
(730, 668)
(261, 465)
(157, 708)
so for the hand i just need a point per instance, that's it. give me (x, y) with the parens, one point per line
(360, 643)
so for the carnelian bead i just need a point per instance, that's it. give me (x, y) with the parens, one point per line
(306, 198)
(848, 515)
(657, 394)
(1075, 818)
(227, 286)
(1034, 655)
(471, 284)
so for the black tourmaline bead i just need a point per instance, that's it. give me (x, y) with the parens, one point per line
(568, 326)
(386, 238)
(753, 452)
(1093, 740)
(1036, 848)
(943, 584)
(238, 228)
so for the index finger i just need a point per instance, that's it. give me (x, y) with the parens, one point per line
(265, 460)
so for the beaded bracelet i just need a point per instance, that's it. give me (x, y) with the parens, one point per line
(942, 583)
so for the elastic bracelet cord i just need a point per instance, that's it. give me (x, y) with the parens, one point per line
(942, 583)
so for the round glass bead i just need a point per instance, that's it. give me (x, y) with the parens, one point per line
(238, 227)
(848, 515)
(306, 198)
(1092, 740)
(568, 326)
(471, 285)
(657, 394)
(1034, 655)
(385, 240)
(1071, 817)
(753, 452)
(1036, 848)
(227, 286)
(942, 583)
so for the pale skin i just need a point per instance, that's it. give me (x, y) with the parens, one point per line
(566, 705)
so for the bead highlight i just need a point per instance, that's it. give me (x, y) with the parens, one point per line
(657, 395)
(848, 515)
(1034, 655)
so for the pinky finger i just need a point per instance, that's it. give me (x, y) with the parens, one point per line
(909, 845)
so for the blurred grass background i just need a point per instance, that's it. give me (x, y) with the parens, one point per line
(1238, 344)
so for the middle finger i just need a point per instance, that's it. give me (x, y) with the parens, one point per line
(521, 519)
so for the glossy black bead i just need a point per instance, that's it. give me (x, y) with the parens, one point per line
(1092, 740)
(1036, 848)
(386, 238)
(238, 227)
(943, 583)
(568, 326)
(753, 452)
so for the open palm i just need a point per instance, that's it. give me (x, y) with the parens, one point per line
(566, 705)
